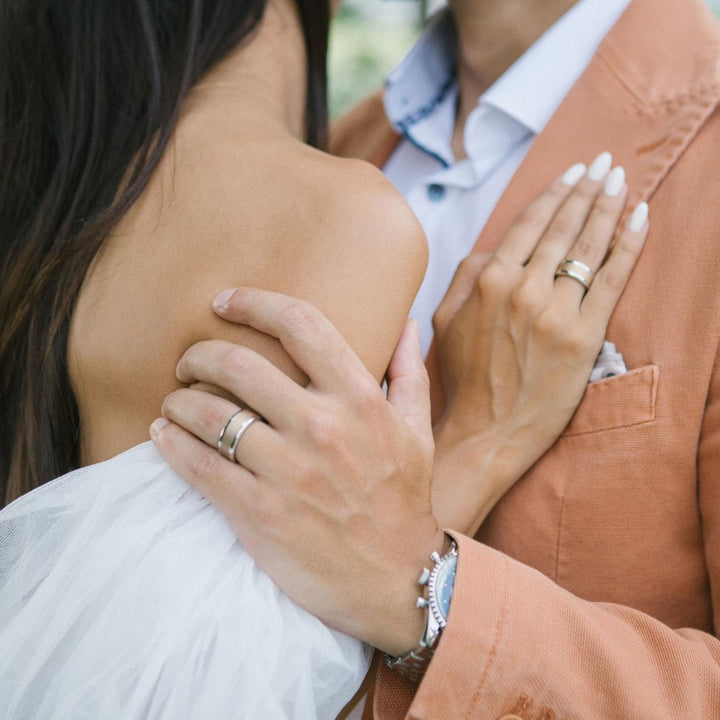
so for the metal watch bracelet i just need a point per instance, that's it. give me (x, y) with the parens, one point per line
(439, 584)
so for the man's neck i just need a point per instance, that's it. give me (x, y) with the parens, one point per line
(492, 35)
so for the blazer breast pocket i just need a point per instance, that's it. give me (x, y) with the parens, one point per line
(617, 402)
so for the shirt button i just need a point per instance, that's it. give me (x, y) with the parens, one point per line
(436, 192)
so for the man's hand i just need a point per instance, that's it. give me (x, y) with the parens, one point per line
(332, 494)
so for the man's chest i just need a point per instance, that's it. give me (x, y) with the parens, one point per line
(453, 204)
(613, 512)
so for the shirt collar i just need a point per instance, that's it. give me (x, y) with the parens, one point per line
(533, 88)
(425, 78)
(530, 91)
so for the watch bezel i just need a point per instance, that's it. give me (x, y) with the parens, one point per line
(412, 665)
(446, 565)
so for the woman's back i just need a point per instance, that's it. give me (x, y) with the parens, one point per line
(123, 592)
(118, 175)
(237, 200)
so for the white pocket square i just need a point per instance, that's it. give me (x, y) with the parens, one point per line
(609, 363)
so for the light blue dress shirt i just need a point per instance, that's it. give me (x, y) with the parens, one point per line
(454, 200)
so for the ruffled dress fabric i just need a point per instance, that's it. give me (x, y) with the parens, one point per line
(125, 594)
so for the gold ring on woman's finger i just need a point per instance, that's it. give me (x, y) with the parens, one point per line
(234, 429)
(576, 270)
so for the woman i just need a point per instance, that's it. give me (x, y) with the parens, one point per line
(152, 155)
(152, 152)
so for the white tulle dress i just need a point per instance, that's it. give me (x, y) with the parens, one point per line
(124, 594)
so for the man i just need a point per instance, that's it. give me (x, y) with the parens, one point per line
(639, 78)
(622, 516)
(451, 138)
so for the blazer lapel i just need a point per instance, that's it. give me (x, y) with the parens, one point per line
(643, 97)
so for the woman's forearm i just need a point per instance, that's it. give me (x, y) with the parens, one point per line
(481, 466)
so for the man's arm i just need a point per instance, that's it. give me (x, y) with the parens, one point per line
(519, 644)
(516, 643)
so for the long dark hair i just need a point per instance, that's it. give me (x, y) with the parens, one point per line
(90, 92)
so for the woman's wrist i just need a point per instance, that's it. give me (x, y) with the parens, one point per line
(481, 465)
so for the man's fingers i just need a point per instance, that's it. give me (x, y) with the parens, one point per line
(613, 276)
(408, 383)
(246, 375)
(208, 418)
(310, 339)
(229, 487)
(460, 289)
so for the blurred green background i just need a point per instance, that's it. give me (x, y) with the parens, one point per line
(369, 37)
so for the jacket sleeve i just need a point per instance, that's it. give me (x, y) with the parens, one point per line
(518, 644)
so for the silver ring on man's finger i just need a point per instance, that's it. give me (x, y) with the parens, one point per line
(576, 270)
(234, 429)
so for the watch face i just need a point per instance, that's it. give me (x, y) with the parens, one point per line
(444, 583)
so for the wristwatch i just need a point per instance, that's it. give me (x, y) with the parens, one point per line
(439, 583)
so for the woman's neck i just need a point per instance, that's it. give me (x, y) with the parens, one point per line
(268, 71)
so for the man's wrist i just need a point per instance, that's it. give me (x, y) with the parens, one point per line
(406, 620)
(437, 586)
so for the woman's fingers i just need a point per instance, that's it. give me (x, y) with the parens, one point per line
(310, 339)
(208, 418)
(246, 375)
(591, 246)
(611, 279)
(460, 290)
(570, 219)
(519, 242)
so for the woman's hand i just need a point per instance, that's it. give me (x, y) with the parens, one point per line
(332, 497)
(517, 344)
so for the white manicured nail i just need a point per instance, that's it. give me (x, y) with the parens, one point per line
(600, 167)
(639, 218)
(573, 176)
(615, 182)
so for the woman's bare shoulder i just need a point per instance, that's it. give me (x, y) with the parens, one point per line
(225, 214)
(352, 204)
(332, 231)
(319, 199)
